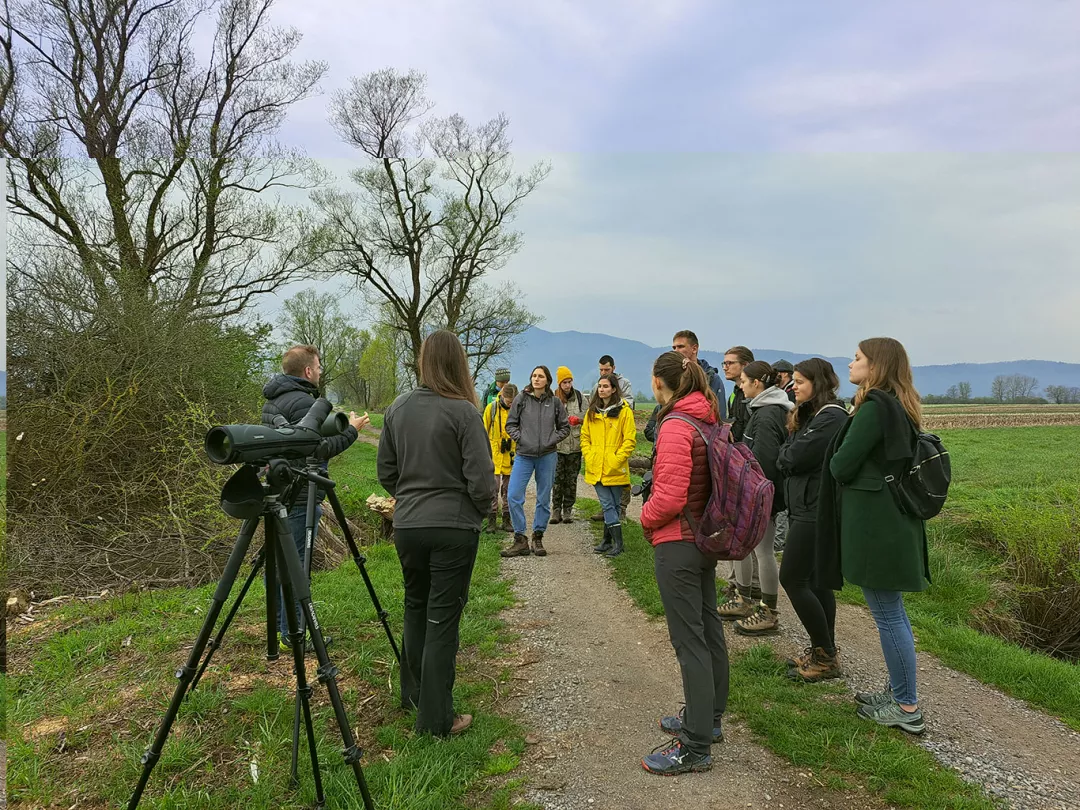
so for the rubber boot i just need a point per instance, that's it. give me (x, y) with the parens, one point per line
(616, 537)
(606, 544)
(520, 548)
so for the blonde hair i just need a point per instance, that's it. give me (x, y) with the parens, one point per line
(890, 370)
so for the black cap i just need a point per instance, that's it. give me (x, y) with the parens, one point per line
(783, 365)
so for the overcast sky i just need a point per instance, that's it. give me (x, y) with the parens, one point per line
(786, 175)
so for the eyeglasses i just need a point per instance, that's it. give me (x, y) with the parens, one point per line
(727, 363)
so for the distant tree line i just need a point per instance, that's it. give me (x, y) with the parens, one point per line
(1017, 389)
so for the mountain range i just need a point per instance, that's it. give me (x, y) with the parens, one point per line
(580, 351)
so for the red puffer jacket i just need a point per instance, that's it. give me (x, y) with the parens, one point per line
(680, 474)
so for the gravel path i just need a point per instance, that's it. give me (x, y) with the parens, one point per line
(594, 676)
(1021, 755)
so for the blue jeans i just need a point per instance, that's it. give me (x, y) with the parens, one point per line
(298, 527)
(610, 499)
(523, 469)
(897, 641)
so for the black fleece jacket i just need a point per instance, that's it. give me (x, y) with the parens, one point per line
(802, 456)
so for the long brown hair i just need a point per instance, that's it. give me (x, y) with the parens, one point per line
(683, 376)
(528, 389)
(823, 377)
(595, 402)
(444, 368)
(890, 370)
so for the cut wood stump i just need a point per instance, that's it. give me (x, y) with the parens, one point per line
(384, 507)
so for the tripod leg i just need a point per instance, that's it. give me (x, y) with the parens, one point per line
(327, 671)
(360, 559)
(272, 646)
(280, 540)
(216, 641)
(186, 672)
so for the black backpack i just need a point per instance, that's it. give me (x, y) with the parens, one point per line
(921, 490)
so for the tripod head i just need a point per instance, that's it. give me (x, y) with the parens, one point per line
(245, 495)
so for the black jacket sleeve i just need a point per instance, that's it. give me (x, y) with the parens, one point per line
(805, 452)
(650, 426)
(769, 435)
(476, 464)
(339, 444)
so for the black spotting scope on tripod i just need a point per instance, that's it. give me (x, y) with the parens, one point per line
(250, 499)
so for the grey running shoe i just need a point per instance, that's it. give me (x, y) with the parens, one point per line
(890, 714)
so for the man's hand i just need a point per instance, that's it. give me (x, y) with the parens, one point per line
(359, 422)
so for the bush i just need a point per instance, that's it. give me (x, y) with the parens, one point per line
(109, 485)
(1040, 539)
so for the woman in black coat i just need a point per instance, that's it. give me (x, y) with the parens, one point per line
(817, 418)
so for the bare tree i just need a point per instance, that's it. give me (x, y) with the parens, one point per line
(163, 209)
(999, 388)
(431, 213)
(963, 390)
(490, 323)
(316, 318)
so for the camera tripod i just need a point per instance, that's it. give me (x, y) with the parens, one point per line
(278, 554)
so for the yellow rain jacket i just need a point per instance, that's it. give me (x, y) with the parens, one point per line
(608, 439)
(495, 422)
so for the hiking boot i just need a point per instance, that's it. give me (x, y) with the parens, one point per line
(795, 663)
(672, 724)
(890, 714)
(674, 759)
(556, 517)
(622, 514)
(538, 544)
(520, 548)
(616, 539)
(597, 518)
(507, 526)
(568, 515)
(729, 593)
(605, 544)
(738, 608)
(493, 521)
(461, 722)
(874, 698)
(764, 621)
(820, 667)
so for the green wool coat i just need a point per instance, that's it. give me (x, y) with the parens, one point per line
(880, 547)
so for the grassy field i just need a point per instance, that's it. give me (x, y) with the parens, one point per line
(93, 678)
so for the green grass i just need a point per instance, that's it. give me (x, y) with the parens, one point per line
(814, 727)
(102, 674)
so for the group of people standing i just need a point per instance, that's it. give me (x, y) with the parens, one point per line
(547, 432)
(448, 466)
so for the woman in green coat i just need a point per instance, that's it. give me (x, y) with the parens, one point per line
(864, 537)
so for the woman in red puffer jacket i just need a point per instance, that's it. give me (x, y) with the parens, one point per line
(686, 578)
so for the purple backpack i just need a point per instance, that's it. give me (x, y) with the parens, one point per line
(738, 510)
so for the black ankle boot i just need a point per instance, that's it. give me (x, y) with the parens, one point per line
(606, 543)
(616, 537)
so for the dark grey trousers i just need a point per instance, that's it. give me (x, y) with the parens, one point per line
(687, 582)
(437, 565)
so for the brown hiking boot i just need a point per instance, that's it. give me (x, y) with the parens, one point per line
(737, 608)
(520, 548)
(764, 621)
(538, 544)
(819, 667)
(507, 526)
(493, 522)
(461, 722)
(795, 663)
(556, 516)
(597, 518)
(568, 515)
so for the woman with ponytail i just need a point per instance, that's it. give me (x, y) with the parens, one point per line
(817, 418)
(608, 438)
(865, 538)
(686, 578)
(765, 433)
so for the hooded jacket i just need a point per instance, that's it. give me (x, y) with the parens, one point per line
(537, 424)
(495, 423)
(291, 398)
(608, 439)
(765, 434)
(802, 456)
(680, 474)
(576, 405)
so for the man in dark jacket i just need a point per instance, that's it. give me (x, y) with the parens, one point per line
(290, 395)
(787, 381)
(686, 343)
(738, 413)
